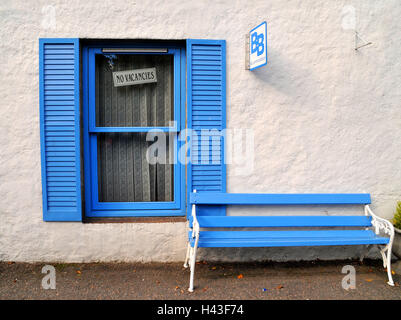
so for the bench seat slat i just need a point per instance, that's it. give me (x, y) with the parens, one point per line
(283, 221)
(220, 198)
(287, 238)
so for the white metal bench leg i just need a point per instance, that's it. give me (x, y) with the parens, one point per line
(192, 262)
(187, 256)
(380, 224)
(387, 262)
(192, 252)
(191, 277)
(382, 252)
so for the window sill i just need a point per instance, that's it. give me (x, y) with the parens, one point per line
(135, 220)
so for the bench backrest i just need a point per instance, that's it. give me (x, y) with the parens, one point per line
(283, 221)
(211, 198)
(219, 198)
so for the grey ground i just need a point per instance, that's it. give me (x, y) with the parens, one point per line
(302, 280)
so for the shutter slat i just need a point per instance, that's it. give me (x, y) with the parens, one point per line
(67, 190)
(54, 183)
(63, 166)
(67, 104)
(59, 72)
(50, 55)
(207, 73)
(60, 179)
(58, 67)
(60, 194)
(60, 141)
(199, 53)
(57, 51)
(197, 113)
(60, 164)
(59, 87)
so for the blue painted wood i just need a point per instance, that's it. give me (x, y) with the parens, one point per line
(221, 198)
(286, 238)
(287, 234)
(282, 238)
(134, 129)
(181, 137)
(59, 129)
(206, 100)
(135, 213)
(283, 221)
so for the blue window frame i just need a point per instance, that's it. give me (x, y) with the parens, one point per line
(96, 208)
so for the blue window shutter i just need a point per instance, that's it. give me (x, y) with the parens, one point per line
(59, 129)
(206, 94)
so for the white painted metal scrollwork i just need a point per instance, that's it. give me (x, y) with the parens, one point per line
(381, 225)
(191, 251)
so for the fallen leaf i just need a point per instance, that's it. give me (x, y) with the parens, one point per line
(177, 287)
(213, 268)
(240, 276)
(78, 272)
(392, 272)
(280, 287)
(368, 280)
(204, 289)
(10, 262)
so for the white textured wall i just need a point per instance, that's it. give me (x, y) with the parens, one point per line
(325, 118)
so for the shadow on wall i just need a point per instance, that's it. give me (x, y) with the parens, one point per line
(289, 77)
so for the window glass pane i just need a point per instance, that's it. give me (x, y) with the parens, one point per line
(125, 174)
(138, 105)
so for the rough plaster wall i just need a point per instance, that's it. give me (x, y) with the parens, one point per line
(325, 118)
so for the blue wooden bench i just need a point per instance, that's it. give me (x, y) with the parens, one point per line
(205, 230)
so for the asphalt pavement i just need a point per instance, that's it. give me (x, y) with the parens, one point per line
(169, 281)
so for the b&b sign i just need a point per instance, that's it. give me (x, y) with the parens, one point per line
(132, 77)
(257, 46)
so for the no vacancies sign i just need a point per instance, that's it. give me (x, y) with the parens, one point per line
(132, 77)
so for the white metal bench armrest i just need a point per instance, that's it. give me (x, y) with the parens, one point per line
(380, 224)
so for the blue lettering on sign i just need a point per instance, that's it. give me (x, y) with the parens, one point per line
(257, 44)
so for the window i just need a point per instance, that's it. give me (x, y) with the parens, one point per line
(121, 121)
(94, 133)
